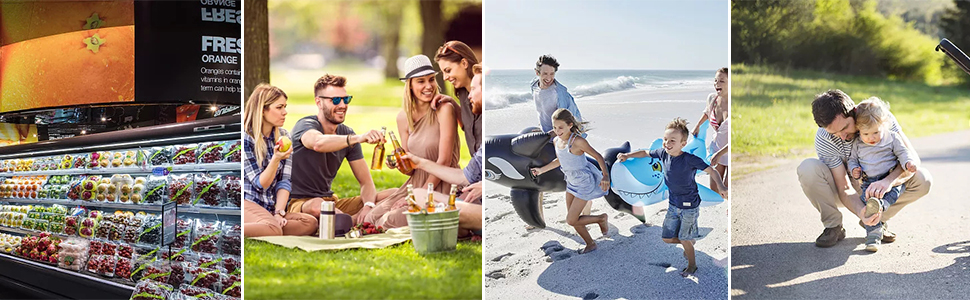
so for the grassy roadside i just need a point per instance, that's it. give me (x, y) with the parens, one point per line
(772, 114)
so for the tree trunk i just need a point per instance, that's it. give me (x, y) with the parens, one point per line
(256, 46)
(433, 36)
(391, 33)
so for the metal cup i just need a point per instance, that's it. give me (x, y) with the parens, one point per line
(391, 161)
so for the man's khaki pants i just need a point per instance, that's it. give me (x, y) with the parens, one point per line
(819, 186)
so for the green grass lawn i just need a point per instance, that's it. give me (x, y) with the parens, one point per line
(396, 272)
(772, 112)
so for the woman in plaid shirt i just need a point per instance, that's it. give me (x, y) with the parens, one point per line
(267, 170)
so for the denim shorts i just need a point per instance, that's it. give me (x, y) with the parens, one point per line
(680, 223)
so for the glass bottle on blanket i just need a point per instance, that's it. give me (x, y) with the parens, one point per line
(403, 165)
(377, 162)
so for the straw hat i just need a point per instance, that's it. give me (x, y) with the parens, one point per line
(417, 66)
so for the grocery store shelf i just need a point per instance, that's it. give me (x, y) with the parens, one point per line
(32, 232)
(216, 167)
(17, 230)
(76, 284)
(228, 211)
(212, 129)
(143, 207)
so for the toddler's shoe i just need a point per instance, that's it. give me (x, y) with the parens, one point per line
(873, 205)
(874, 239)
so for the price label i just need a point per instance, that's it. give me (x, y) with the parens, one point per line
(161, 171)
(169, 215)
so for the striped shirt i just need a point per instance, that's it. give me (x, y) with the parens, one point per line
(834, 151)
(254, 191)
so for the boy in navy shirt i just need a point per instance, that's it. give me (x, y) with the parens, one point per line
(680, 224)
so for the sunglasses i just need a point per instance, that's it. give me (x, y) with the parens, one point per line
(336, 100)
(448, 47)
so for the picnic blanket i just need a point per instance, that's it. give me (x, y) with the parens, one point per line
(311, 243)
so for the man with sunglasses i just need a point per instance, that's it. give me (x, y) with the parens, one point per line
(320, 144)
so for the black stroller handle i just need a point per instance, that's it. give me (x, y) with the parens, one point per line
(955, 54)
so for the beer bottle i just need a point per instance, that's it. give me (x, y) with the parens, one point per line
(451, 198)
(412, 203)
(377, 162)
(404, 165)
(430, 197)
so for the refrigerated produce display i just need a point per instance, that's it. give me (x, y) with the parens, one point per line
(81, 217)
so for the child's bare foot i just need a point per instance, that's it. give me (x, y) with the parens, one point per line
(589, 248)
(604, 226)
(690, 270)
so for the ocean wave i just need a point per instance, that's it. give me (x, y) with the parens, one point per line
(683, 84)
(499, 99)
(607, 86)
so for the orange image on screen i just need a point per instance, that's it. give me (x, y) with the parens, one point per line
(25, 20)
(75, 68)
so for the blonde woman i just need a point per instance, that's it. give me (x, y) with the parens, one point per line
(427, 133)
(267, 169)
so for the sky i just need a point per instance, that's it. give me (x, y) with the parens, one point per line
(626, 34)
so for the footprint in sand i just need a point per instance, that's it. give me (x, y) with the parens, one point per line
(640, 229)
(497, 274)
(555, 251)
(497, 217)
(551, 246)
(500, 257)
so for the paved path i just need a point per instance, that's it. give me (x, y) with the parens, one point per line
(774, 227)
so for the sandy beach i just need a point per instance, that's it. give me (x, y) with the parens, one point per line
(633, 263)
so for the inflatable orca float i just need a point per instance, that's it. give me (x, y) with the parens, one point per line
(635, 182)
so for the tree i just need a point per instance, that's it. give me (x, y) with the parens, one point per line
(433, 36)
(256, 46)
(392, 13)
(955, 24)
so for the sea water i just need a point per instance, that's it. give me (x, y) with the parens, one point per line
(505, 88)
